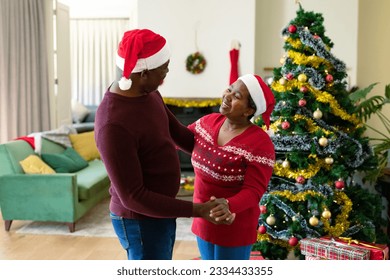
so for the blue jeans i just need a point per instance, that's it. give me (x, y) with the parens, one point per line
(147, 239)
(210, 251)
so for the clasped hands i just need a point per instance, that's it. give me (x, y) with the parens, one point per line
(219, 212)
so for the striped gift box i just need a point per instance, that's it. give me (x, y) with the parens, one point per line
(331, 250)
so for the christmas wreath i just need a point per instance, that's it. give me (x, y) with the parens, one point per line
(195, 63)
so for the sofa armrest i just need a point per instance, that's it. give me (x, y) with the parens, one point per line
(25, 195)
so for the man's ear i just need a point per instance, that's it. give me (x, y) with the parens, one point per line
(144, 74)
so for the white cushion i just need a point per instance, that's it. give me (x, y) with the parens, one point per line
(79, 111)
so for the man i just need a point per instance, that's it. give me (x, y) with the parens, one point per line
(137, 136)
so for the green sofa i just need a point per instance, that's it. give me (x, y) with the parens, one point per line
(59, 197)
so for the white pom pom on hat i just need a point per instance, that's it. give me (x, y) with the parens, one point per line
(140, 49)
(125, 84)
(262, 96)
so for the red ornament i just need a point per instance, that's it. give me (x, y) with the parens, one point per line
(293, 241)
(329, 78)
(302, 102)
(292, 28)
(262, 229)
(339, 184)
(300, 180)
(285, 125)
(263, 209)
(316, 36)
(290, 76)
(303, 89)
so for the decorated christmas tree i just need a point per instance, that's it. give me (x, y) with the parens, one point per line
(321, 150)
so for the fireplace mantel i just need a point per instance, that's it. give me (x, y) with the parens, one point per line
(187, 111)
(192, 102)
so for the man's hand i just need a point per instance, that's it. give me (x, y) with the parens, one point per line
(221, 214)
(216, 211)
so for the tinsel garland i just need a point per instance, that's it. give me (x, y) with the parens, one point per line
(304, 143)
(294, 197)
(359, 155)
(266, 237)
(320, 48)
(324, 97)
(309, 172)
(280, 184)
(192, 102)
(341, 221)
(302, 59)
(321, 96)
(291, 143)
(355, 229)
(295, 43)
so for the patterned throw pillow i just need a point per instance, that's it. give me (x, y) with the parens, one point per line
(85, 145)
(33, 164)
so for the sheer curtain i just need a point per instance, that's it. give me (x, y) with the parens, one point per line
(24, 79)
(93, 50)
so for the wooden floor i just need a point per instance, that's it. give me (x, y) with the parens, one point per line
(15, 246)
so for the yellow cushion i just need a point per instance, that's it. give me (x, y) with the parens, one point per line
(33, 164)
(84, 144)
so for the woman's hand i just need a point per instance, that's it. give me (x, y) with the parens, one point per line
(221, 213)
(216, 211)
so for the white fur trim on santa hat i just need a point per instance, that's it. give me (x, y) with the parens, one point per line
(124, 84)
(256, 93)
(149, 63)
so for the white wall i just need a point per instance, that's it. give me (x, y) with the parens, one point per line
(340, 22)
(374, 55)
(99, 8)
(217, 23)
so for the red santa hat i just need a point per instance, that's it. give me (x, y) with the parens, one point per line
(261, 95)
(140, 49)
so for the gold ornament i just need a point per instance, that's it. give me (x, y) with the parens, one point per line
(282, 81)
(313, 221)
(282, 60)
(286, 164)
(326, 214)
(323, 141)
(317, 114)
(271, 220)
(302, 78)
(329, 160)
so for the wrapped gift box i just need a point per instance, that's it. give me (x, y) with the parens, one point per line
(377, 251)
(332, 250)
(312, 258)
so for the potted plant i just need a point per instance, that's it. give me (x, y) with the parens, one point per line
(365, 109)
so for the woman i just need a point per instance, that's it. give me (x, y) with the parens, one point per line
(233, 158)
